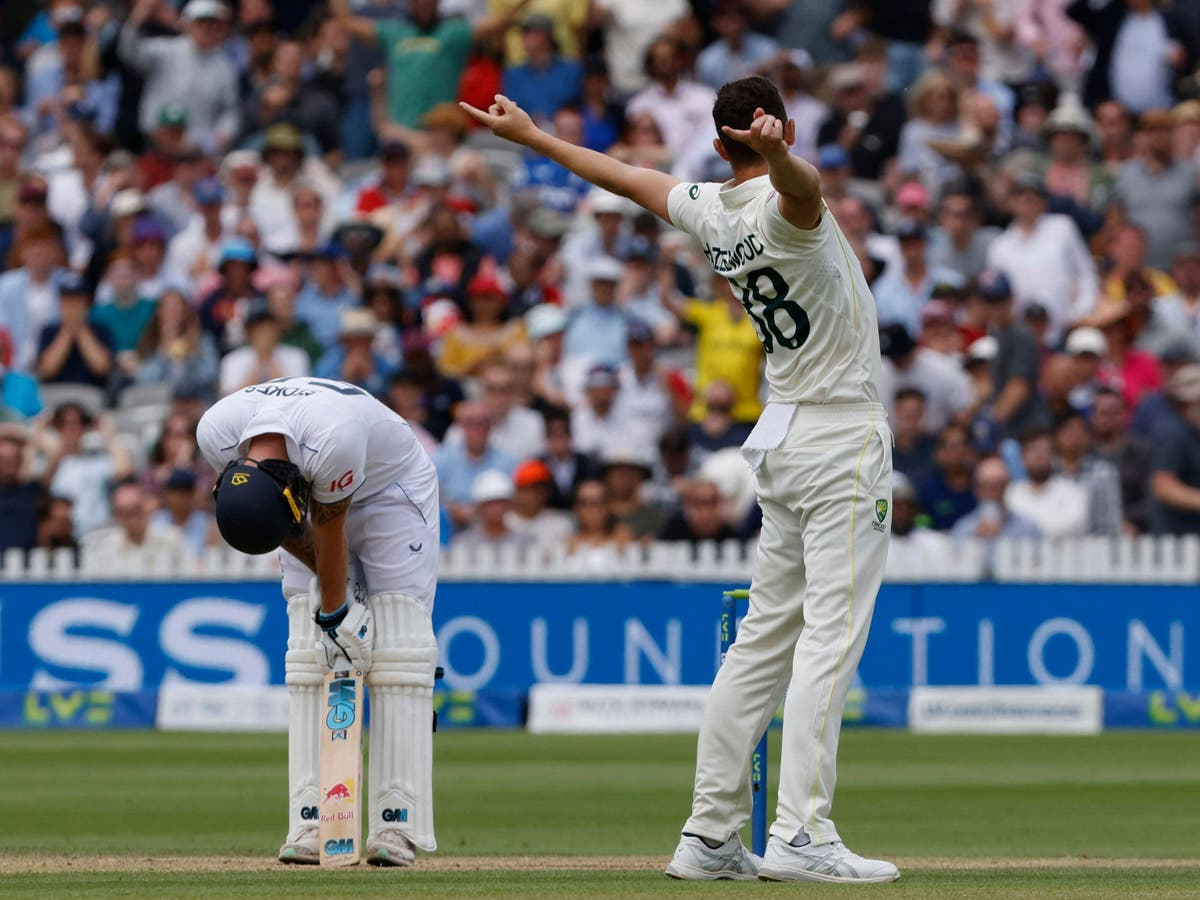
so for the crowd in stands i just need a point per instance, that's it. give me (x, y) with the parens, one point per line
(198, 197)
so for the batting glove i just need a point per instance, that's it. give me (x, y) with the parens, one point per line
(349, 632)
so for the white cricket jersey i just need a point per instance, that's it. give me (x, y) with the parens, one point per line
(804, 290)
(344, 441)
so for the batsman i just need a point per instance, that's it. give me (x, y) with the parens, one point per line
(337, 482)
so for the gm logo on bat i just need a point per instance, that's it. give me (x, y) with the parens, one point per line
(339, 846)
(341, 706)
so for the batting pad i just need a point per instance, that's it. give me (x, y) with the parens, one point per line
(401, 686)
(304, 672)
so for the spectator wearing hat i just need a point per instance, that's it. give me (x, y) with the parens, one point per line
(459, 463)
(598, 421)
(652, 393)
(833, 162)
(1155, 192)
(625, 469)
(1127, 452)
(1044, 257)
(81, 455)
(992, 516)
(425, 52)
(596, 329)
(74, 350)
(354, 360)
(545, 325)
(180, 511)
(175, 351)
(485, 332)
(940, 379)
(544, 82)
(606, 234)
(1185, 137)
(1014, 404)
(1180, 308)
(1132, 371)
(901, 291)
(568, 466)
(287, 163)
(727, 348)
(1138, 50)
(492, 500)
(191, 69)
(646, 282)
(1080, 185)
(263, 358)
(383, 294)
(167, 141)
(1175, 463)
(19, 494)
(716, 429)
(737, 50)
(193, 252)
(223, 310)
(29, 294)
(133, 529)
(531, 517)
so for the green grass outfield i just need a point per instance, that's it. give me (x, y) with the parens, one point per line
(965, 816)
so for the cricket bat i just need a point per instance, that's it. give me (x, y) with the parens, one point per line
(340, 806)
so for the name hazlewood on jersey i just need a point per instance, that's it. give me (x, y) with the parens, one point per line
(723, 260)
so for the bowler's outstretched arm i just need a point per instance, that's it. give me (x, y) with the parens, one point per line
(645, 187)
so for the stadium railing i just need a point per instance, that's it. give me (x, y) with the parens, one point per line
(1140, 560)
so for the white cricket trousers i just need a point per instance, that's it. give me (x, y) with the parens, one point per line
(826, 495)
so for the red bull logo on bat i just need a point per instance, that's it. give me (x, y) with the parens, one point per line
(343, 790)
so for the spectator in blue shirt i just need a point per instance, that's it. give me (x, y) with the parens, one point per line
(596, 331)
(738, 50)
(321, 301)
(949, 494)
(901, 291)
(545, 82)
(459, 463)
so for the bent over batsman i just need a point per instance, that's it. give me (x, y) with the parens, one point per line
(337, 482)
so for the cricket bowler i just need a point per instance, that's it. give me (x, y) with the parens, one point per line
(327, 473)
(821, 452)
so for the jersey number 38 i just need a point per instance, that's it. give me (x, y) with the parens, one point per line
(773, 304)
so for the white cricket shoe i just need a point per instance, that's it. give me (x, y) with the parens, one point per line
(822, 862)
(694, 860)
(304, 850)
(390, 848)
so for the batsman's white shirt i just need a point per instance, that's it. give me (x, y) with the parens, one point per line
(821, 452)
(346, 444)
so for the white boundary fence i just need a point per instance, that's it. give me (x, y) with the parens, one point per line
(1143, 560)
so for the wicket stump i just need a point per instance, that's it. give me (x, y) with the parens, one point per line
(758, 759)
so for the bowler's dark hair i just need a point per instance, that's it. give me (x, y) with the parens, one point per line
(735, 106)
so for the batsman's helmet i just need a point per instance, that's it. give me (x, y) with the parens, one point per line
(258, 507)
